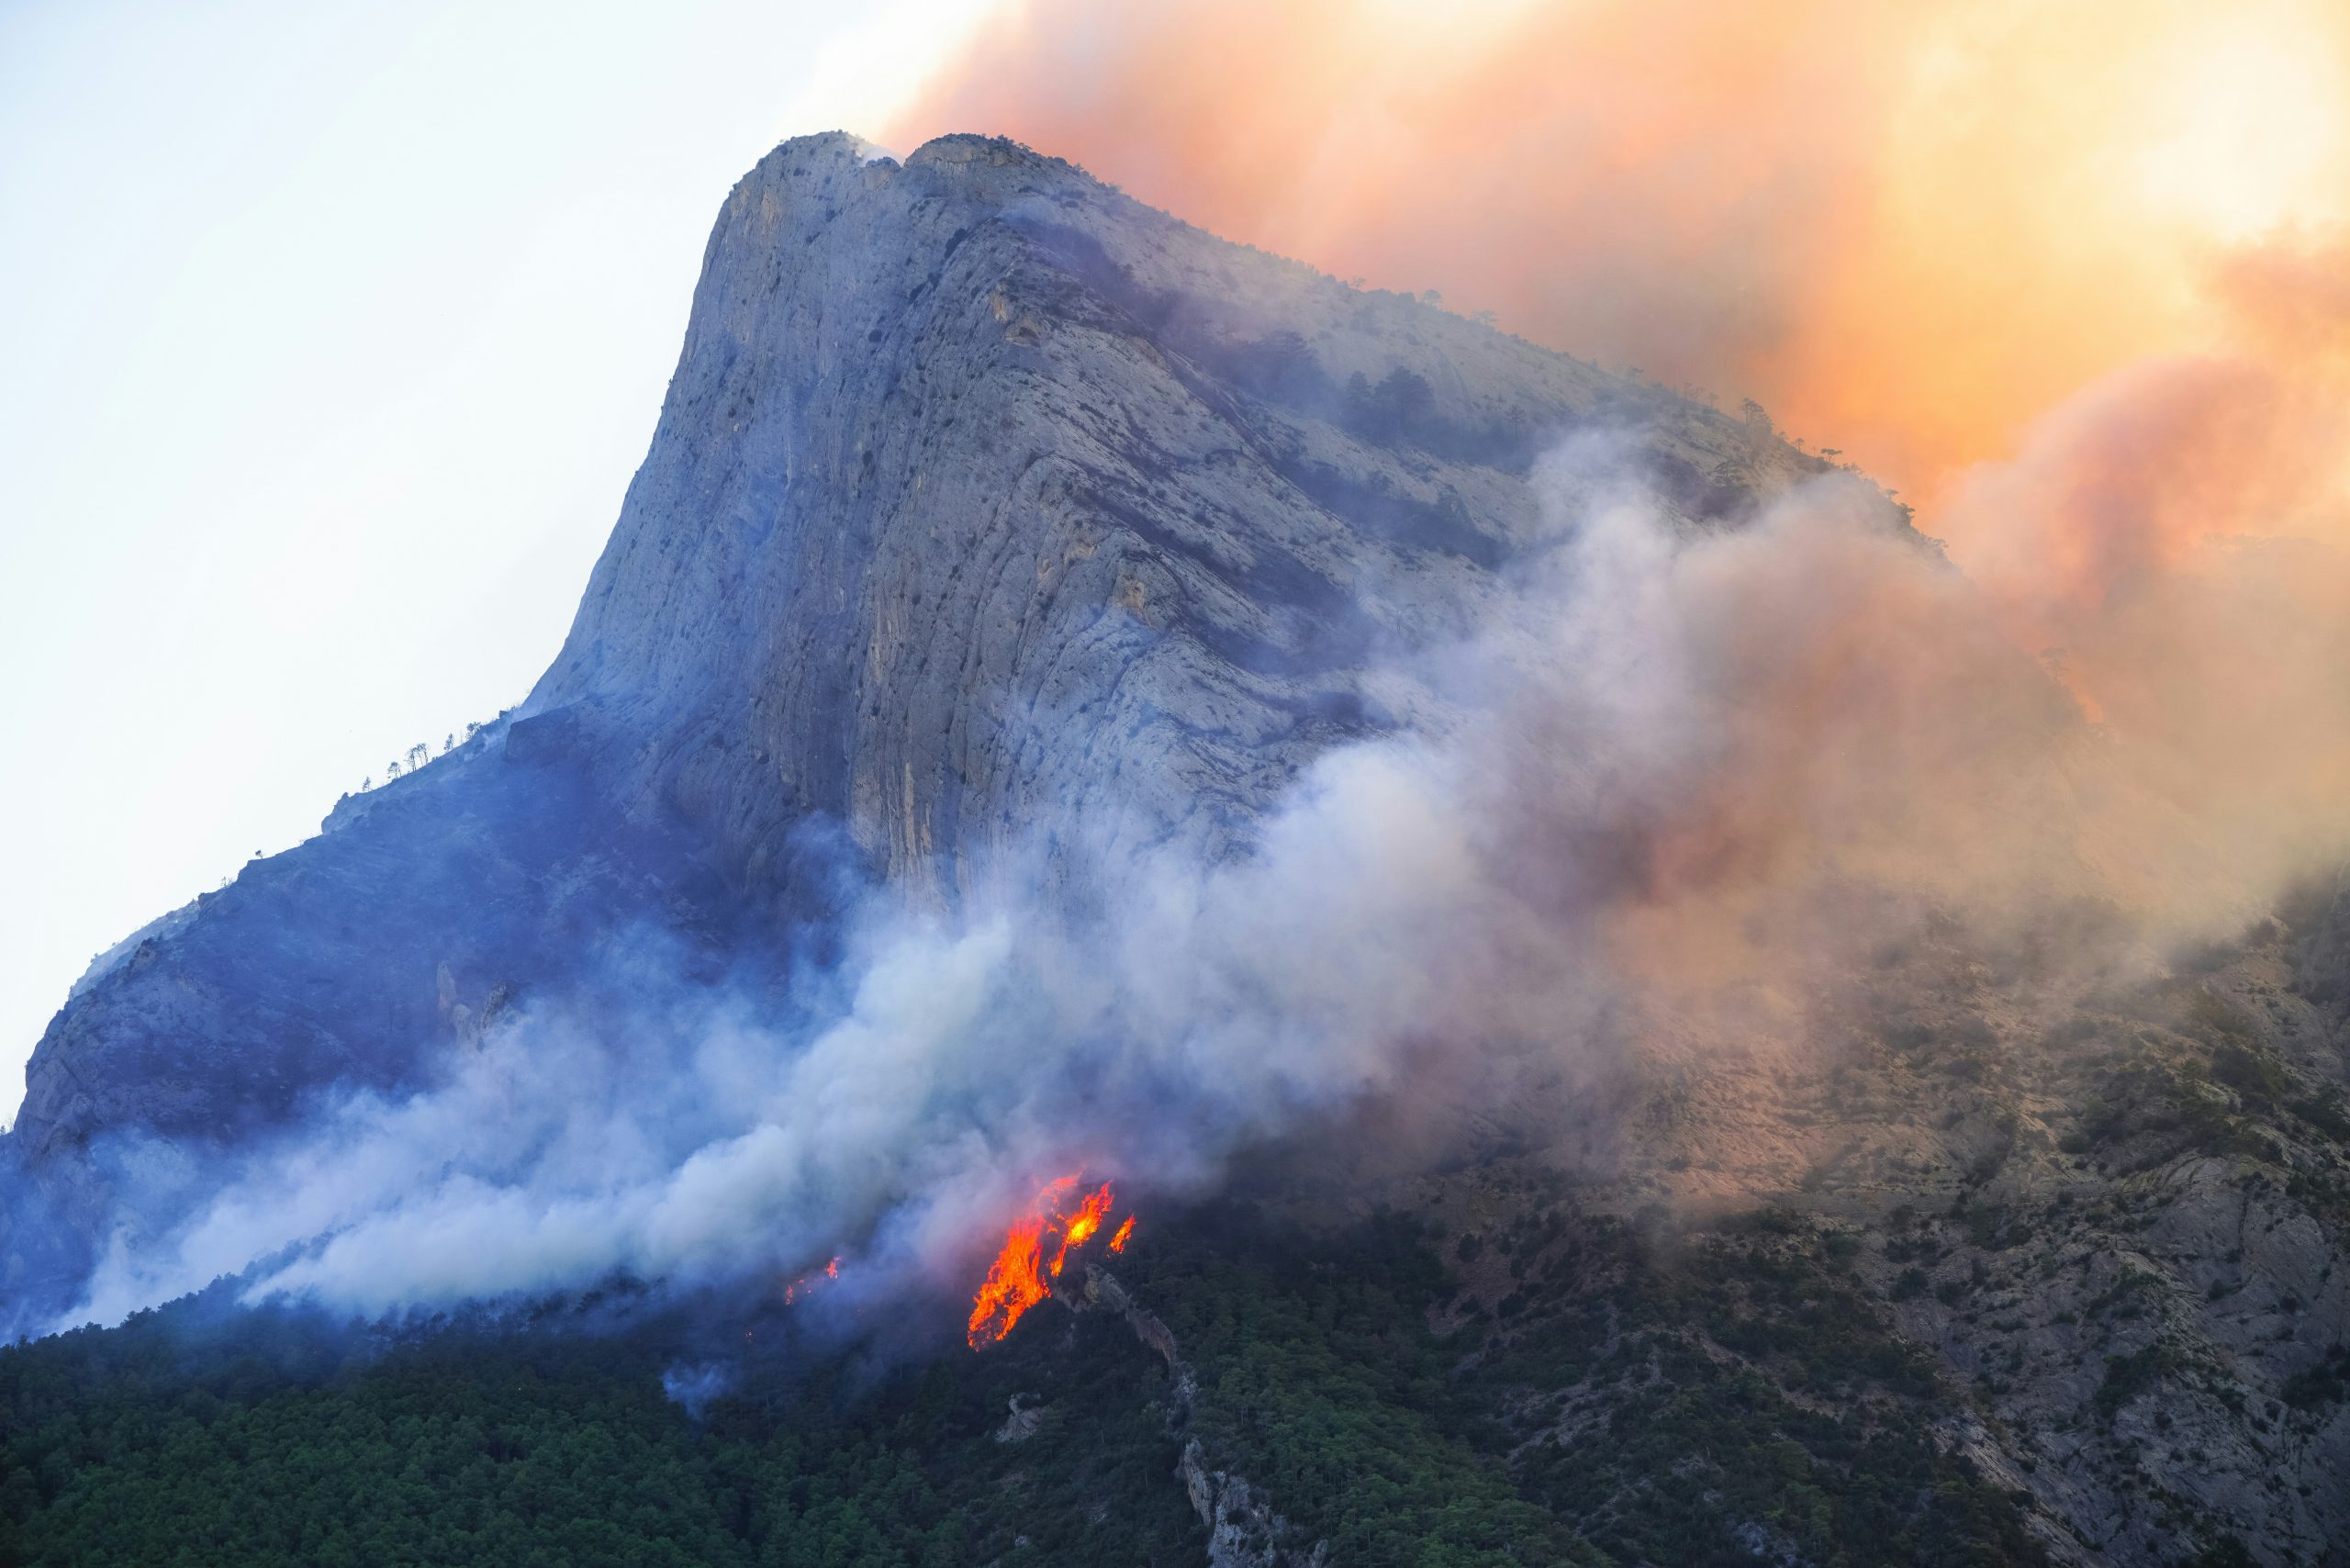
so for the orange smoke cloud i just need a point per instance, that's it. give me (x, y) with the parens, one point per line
(2075, 278)
(1907, 230)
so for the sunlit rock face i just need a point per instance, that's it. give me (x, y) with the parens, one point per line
(985, 494)
(989, 508)
(983, 500)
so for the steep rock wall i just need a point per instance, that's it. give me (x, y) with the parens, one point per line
(983, 499)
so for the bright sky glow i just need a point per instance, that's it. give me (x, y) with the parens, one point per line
(2251, 126)
(333, 334)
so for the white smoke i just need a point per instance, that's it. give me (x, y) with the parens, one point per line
(1655, 772)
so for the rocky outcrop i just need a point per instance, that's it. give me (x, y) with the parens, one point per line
(2112, 1220)
(1025, 1418)
(1102, 1290)
(409, 923)
(982, 496)
(1243, 1530)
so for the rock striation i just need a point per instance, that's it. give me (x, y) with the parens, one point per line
(1243, 1528)
(982, 496)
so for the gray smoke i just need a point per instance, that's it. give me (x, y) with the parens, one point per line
(1669, 774)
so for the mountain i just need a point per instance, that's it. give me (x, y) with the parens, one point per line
(980, 493)
(984, 497)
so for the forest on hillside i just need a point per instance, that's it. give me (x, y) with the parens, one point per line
(1633, 1401)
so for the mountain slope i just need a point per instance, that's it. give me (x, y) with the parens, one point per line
(981, 495)
(987, 504)
(978, 485)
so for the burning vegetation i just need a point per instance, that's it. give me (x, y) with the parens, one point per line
(1034, 1251)
(809, 1282)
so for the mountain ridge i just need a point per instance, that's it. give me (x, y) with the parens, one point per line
(986, 505)
(1076, 480)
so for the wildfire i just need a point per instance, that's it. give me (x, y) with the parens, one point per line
(1079, 1227)
(808, 1282)
(1020, 1277)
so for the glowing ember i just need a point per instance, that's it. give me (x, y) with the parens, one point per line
(1035, 1250)
(806, 1283)
(1118, 1242)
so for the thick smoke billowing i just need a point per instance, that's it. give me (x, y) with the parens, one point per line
(2071, 276)
(1668, 773)
(1909, 229)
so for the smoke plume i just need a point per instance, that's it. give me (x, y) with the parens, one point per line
(1668, 772)
(1908, 230)
(2078, 285)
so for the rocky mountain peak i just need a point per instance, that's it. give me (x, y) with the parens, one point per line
(986, 501)
(981, 495)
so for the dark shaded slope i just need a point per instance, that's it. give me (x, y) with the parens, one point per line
(423, 910)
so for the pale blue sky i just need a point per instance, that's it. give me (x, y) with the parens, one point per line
(329, 338)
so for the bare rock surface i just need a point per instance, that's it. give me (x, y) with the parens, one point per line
(985, 498)
(2112, 1220)
(1243, 1529)
(982, 496)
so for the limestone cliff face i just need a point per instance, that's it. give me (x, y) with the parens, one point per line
(985, 499)
(982, 496)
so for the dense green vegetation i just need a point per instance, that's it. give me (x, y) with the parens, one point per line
(1691, 1400)
(1634, 1400)
(1713, 1399)
(274, 1438)
(1320, 1378)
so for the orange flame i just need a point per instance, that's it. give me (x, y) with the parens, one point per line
(1018, 1278)
(1081, 1226)
(1118, 1242)
(1013, 1284)
(808, 1282)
